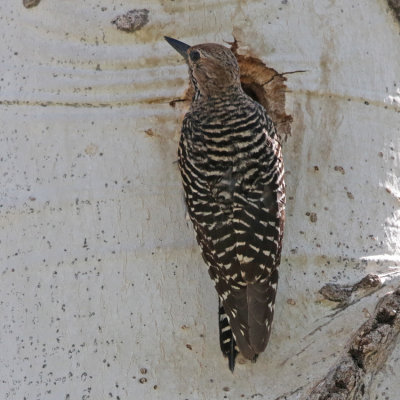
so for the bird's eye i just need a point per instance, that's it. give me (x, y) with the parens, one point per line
(194, 55)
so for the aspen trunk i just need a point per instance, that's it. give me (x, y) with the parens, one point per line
(103, 291)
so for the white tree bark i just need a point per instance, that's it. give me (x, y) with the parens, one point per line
(103, 292)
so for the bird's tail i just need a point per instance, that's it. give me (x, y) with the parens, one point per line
(226, 339)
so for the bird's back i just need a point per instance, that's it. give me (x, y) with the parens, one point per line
(232, 170)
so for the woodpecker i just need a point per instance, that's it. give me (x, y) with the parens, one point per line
(232, 171)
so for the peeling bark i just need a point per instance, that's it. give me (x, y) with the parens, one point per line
(132, 21)
(366, 354)
(348, 294)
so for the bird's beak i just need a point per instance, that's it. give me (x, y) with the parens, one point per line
(180, 47)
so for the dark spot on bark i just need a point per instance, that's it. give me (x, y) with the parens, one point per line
(356, 355)
(30, 3)
(340, 169)
(132, 21)
(395, 7)
(386, 315)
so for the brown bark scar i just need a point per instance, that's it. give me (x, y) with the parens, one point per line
(365, 355)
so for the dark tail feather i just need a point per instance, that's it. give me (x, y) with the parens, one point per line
(226, 339)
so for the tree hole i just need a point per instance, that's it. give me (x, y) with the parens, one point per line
(266, 86)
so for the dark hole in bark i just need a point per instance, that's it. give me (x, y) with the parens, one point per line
(253, 90)
(266, 86)
(386, 316)
(356, 355)
(340, 384)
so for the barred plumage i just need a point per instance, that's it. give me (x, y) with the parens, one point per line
(232, 172)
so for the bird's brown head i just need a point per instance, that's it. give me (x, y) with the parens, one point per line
(213, 68)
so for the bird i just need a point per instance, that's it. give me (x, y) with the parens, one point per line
(231, 165)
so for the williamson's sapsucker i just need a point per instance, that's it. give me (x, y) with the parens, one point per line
(233, 177)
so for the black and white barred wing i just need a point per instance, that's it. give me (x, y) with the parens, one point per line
(242, 252)
(257, 227)
(238, 225)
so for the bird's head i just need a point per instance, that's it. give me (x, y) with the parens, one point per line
(213, 68)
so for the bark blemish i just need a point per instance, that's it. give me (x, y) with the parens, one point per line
(30, 3)
(348, 294)
(366, 353)
(132, 21)
(395, 7)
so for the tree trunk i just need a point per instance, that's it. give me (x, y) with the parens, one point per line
(104, 293)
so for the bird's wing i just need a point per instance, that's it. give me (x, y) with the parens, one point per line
(240, 237)
(258, 225)
(258, 229)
